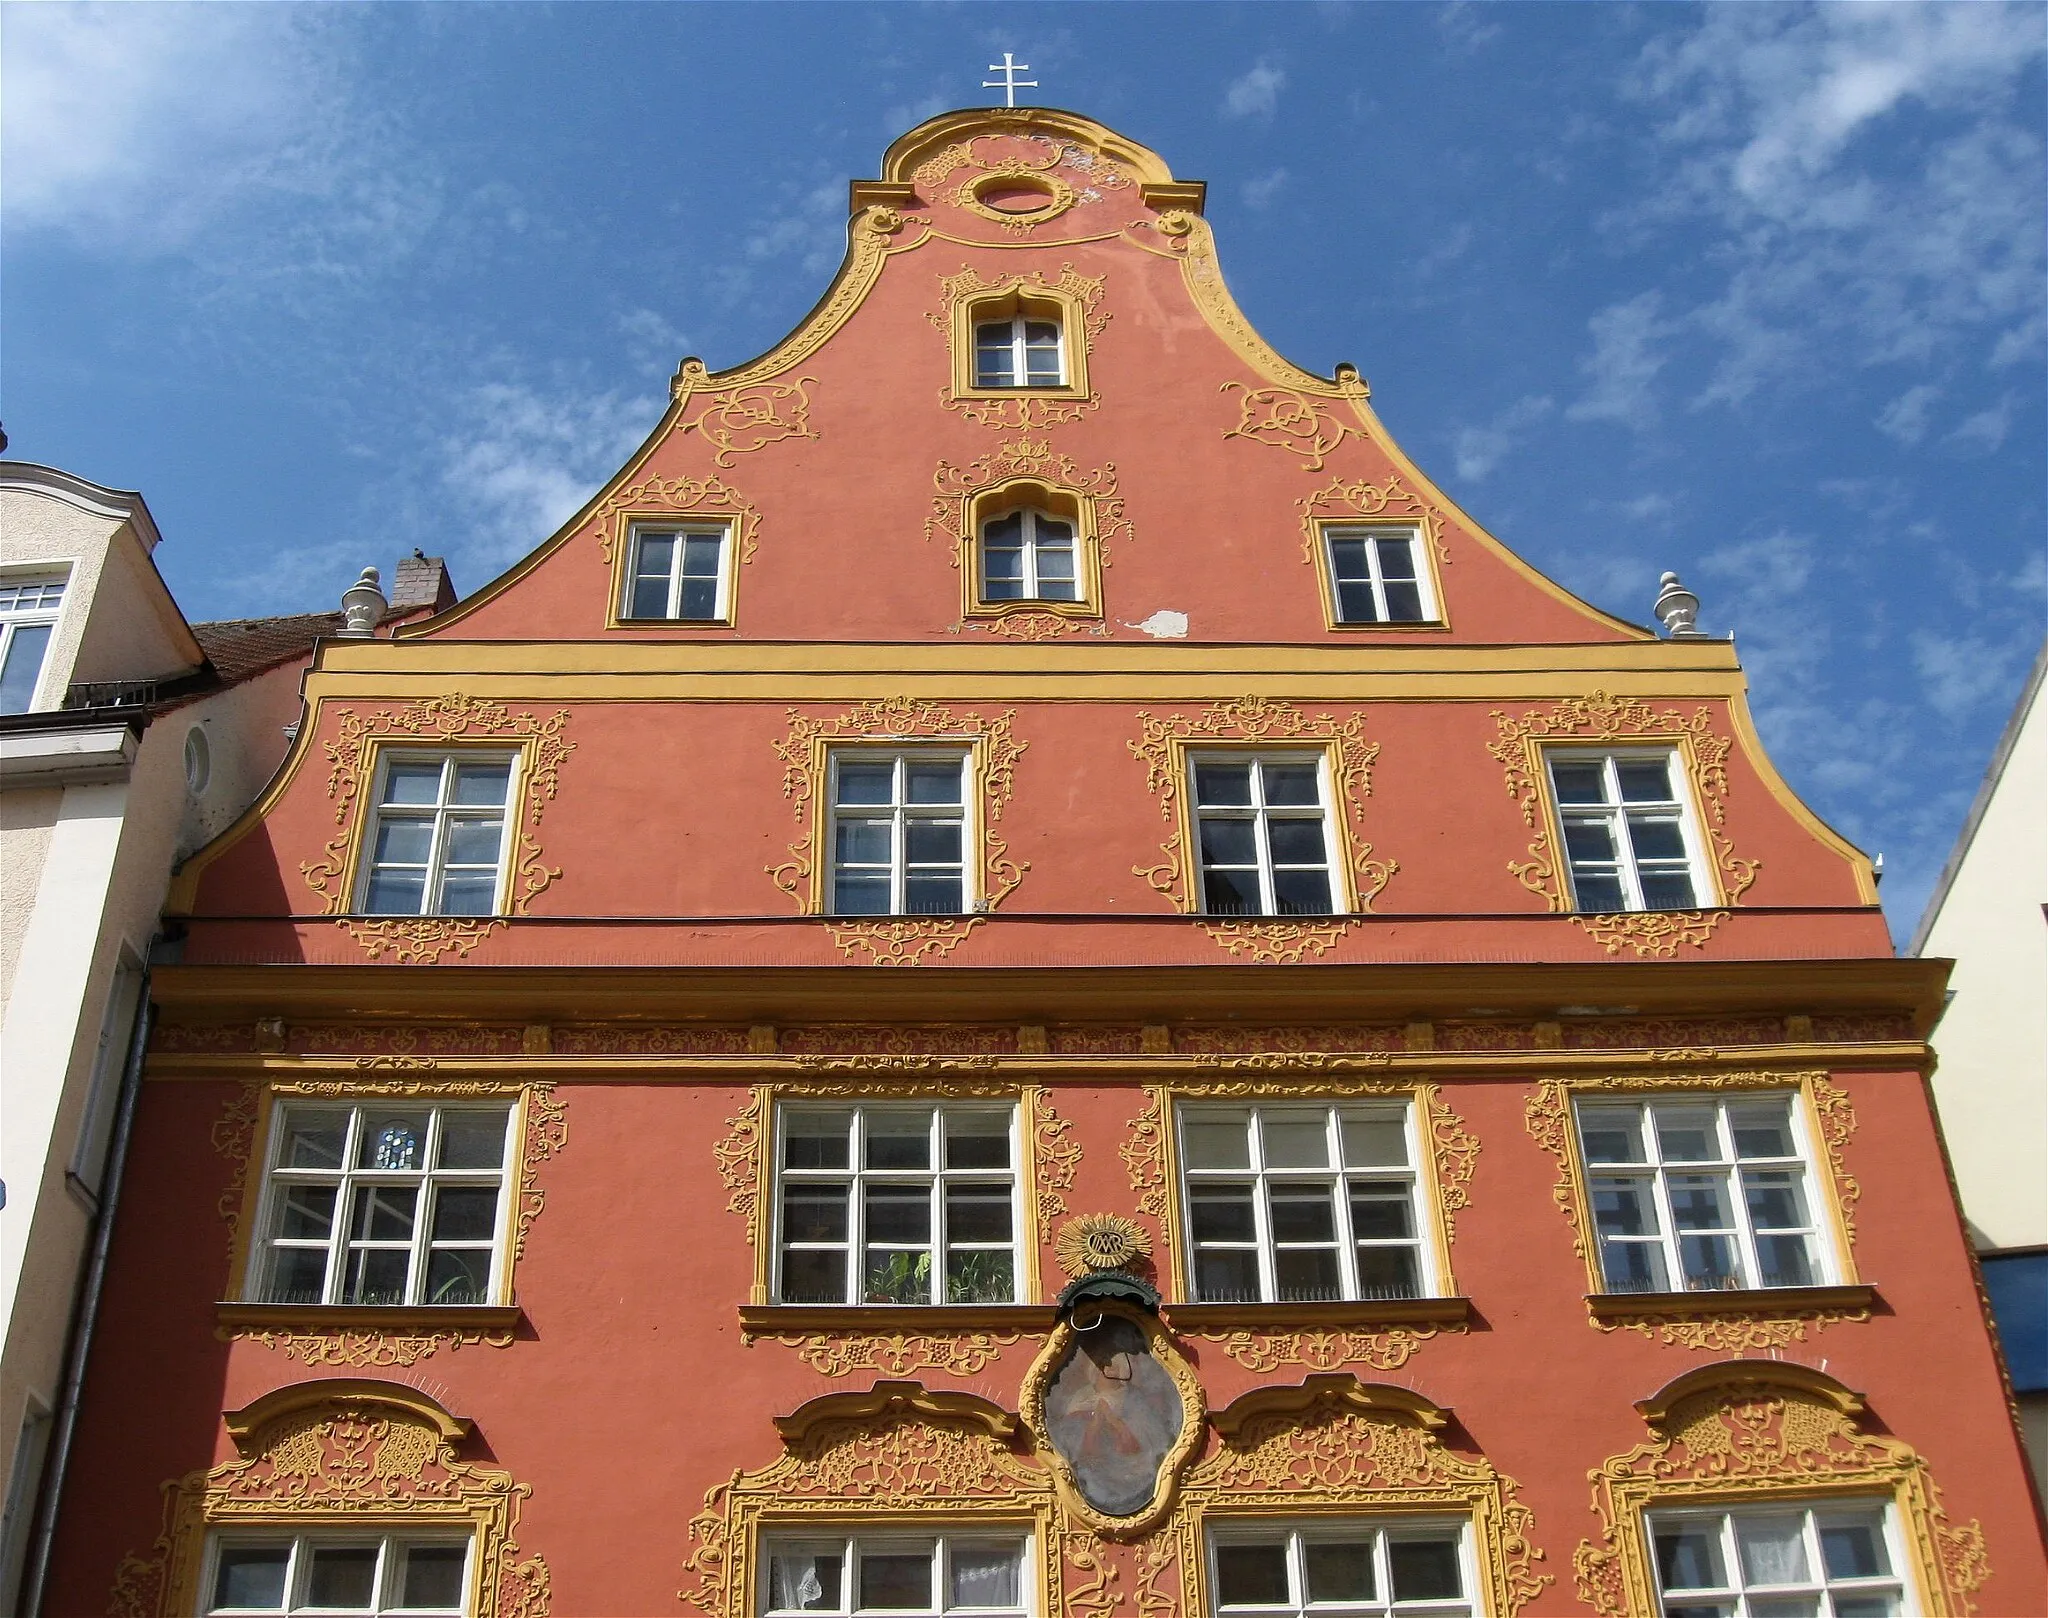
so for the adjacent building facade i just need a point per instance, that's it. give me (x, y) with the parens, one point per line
(1022, 975)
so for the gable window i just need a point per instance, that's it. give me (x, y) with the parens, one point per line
(898, 1204)
(1262, 832)
(679, 574)
(1376, 575)
(28, 618)
(1627, 829)
(967, 1575)
(1024, 350)
(1028, 556)
(1348, 1568)
(437, 834)
(1833, 1558)
(1701, 1194)
(1303, 1204)
(367, 1575)
(899, 833)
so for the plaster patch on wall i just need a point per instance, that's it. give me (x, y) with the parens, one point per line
(1164, 625)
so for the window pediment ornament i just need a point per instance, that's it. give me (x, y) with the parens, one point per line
(1078, 300)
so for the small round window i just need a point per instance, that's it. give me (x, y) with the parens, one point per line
(198, 761)
(1018, 197)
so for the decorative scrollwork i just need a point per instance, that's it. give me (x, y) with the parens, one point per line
(234, 1137)
(1080, 296)
(1353, 498)
(839, 1354)
(742, 420)
(683, 496)
(739, 1154)
(1454, 1151)
(1029, 626)
(903, 940)
(1281, 943)
(1144, 1153)
(364, 1349)
(1095, 495)
(1731, 1334)
(1290, 421)
(1055, 1154)
(1651, 932)
(1317, 1350)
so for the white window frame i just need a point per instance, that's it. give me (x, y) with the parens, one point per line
(1261, 815)
(46, 610)
(900, 812)
(1615, 813)
(1739, 1597)
(297, 1568)
(1418, 560)
(1334, 1176)
(942, 1542)
(679, 532)
(1295, 1533)
(1657, 1170)
(425, 1182)
(443, 813)
(1019, 352)
(1033, 585)
(856, 1177)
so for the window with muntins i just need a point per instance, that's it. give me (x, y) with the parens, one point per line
(28, 618)
(895, 1203)
(437, 835)
(1028, 556)
(1303, 1204)
(362, 1575)
(1627, 831)
(678, 574)
(1022, 351)
(1376, 576)
(964, 1575)
(1701, 1194)
(1342, 1569)
(1262, 834)
(1824, 1559)
(899, 833)
(384, 1205)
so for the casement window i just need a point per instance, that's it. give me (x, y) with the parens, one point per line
(1292, 1203)
(964, 1575)
(383, 1204)
(1817, 1559)
(1377, 574)
(899, 833)
(1263, 834)
(1702, 1194)
(1024, 350)
(436, 838)
(895, 1203)
(363, 1575)
(28, 618)
(1628, 831)
(1342, 1569)
(679, 573)
(1028, 556)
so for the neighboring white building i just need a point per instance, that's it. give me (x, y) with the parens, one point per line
(1989, 913)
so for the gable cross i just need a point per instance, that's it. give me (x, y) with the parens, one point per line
(1009, 83)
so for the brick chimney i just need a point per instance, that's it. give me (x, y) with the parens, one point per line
(421, 582)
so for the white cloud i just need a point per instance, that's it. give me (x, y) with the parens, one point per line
(1983, 433)
(1905, 418)
(1257, 93)
(1259, 192)
(1624, 363)
(1961, 673)
(1479, 449)
(657, 344)
(806, 232)
(1463, 26)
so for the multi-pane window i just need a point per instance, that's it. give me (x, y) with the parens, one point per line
(437, 834)
(967, 1575)
(1262, 834)
(678, 573)
(360, 1575)
(1303, 1204)
(1375, 576)
(1627, 831)
(1698, 1194)
(895, 1203)
(1028, 556)
(28, 618)
(384, 1204)
(1830, 1559)
(1023, 351)
(1342, 1569)
(899, 833)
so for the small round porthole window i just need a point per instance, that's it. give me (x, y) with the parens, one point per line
(198, 761)
(1018, 198)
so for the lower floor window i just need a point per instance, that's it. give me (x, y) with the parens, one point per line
(935, 1576)
(366, 1577)
(1342, 1570)
(1819, 1561)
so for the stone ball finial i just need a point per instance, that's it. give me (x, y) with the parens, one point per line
(1679, 609)
(363, 606)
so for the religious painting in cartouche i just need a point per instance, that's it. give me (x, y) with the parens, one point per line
(1113, 1413)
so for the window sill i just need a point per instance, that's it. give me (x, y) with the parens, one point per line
(1746, 1301)
(761, 1319)
(672, 623)
(1029, 390)
(1343, 1312)
(370, 1317)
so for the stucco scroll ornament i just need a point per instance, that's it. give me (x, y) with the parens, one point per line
(1601, 718)
(1363, 498)
(1020, 410)
(1096, 496)
(366, 1350)
(1303, 426)
(677, 497)
(1162, 748)
(901, 940)
(329, 1454)
(1055, 1154)
(743, 419)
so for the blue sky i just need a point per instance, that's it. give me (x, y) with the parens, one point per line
(1749, 291)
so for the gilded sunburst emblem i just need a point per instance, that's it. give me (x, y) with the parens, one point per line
(1101, 1242)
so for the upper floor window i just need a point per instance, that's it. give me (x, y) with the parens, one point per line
(894, 1203)
(28, 618)
(1023, 350)
(1263, 834)
(1808, 1558)
(1701, 1194)
(964, 1575)
(365, 1575)
(1344, 1568)
(1028, 556)
(436, 837)
(1377, 575)
(1627, 831)
(679, 574)
(899, 833)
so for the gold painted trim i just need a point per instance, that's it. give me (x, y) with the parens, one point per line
(1744, 727)
(969, 297)
(743, 419)
(1288, 420)
(1363, 503)
(677, 503)
(1754, 1321)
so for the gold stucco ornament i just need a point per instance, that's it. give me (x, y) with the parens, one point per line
(1101, 1242)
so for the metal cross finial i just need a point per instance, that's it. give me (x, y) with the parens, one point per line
(1009, 83)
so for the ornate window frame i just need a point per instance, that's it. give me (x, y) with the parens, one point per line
(1751, 1432)
(1359, 502)
(1032, 473)
(675, 502)
(1073, 299)
(340, 1453)
(685, 526)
